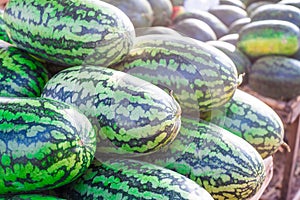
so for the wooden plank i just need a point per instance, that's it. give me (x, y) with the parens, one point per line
(293, 136)
(295, 109)
(269, 174)
(297, 196)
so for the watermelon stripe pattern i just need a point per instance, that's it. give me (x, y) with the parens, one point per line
(216, 25)
(31, 197)
(131, 116)
(20, 74)
(70, 32)
(200, 76)
(269, 37)
(251, 119)
(3, 34)
(131, 179)
(276, 77)
(44, 144)
(225, 165)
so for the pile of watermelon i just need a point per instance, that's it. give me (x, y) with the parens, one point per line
(142, 99)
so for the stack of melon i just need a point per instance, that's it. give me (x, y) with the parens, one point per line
(271, 40)
(90, 110)
(264, 42)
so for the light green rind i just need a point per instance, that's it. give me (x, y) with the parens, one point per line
(139, 12)
(162, 11)
(30, 197)
(131, 116)
(241, 61)
(276, 12)
(269, 37)
(134, 180)
(251, 119)
(225, 165)
(44, 144)
(3, 34)
(200, 76)
(276, 77)
(20, 74)
(70, 32)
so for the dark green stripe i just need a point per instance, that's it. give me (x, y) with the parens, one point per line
(276, 77)
(224, 164)
(3, 34)
(68, 32)
(251, 119)
(30, 197)
(136, 116)
(200, 76)
(44, 144)
(20, 74)
(130, 179)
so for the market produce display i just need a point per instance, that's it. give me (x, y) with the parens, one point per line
(3, 34)
(139, 12)
(251, 119)
(276, 77)
(21, 74)
(238, 24)
(134, 115)
(32, 197)
(230, 38)
(200, 76)
(44, 144)
(142, 99)
(240, 60)
(70, 32)
(211, 20)
(228, 13)
(295, 3)
(269, 37)
(224, 164)
(196, 29)
(132, 179)
(162, 11)
(233, 3)
(276, 12)
(156, 30)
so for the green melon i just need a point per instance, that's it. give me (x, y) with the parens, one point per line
(269, 37)
(44, 144)
(20, 74)
(276, 77)
(139, 11)
(162, 11)
(70, 32)
(132, 179)
(251, 119)
(131, 116)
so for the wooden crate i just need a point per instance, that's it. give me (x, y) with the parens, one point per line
(297, 196)
(289, 112)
